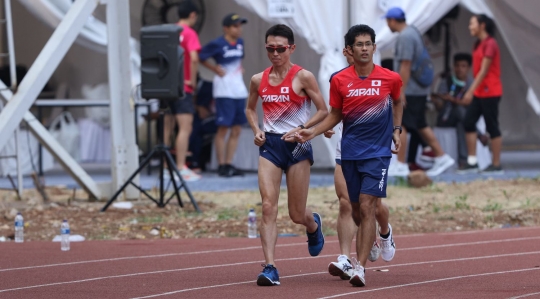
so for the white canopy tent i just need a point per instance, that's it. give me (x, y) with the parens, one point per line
(323, 23)
(93, 35)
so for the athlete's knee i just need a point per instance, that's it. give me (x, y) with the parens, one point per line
(368, 206)
(297, 217)
(269, 210)
(380, 207)
(345, 208)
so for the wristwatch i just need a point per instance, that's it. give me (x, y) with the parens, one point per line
(301, 127)
(398, 128)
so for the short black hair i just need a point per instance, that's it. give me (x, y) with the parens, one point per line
(357, 30)
(463, 57)
(280, 30)
(185, 8)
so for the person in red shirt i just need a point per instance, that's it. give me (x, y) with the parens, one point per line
(346, 227)
(287, 91)
(484, 95)
(183, 109)
(367, 98)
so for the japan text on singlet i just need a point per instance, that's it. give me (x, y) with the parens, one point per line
(283, 109)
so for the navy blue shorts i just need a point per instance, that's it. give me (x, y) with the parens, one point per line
(285, 154)
(367, 176)
(338, 161)
(230, 112)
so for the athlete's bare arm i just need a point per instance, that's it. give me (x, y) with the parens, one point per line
(310, 86)
(251, 109)
(333, 118)
(330, 133)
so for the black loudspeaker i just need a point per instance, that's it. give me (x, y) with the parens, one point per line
(162, 62)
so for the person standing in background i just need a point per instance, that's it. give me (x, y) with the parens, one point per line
(229, 90)
(184, 108)
(408, 50)
(485, 93)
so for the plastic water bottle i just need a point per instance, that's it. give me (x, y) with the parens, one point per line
(64, 233)
(252, 224)
(19, 228)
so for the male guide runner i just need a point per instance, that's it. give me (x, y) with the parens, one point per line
(346, 227)
(367, 98)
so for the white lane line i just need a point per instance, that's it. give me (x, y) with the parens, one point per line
(221, 285)
(525, 295)
(253, 262)
(470, 243)
(247, 248)
(152, 256)
(316, 273)
(470, 232)
(244, 248)
(432, 281)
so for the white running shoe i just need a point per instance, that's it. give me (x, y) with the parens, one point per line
(441, 164)
(388, 247)
(398, 169)
(358, 278)
(342, 268)
(375, 252)
(189, 175)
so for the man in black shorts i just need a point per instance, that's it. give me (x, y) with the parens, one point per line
(184, 108)
(409, 46)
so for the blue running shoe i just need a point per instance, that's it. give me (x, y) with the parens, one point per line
(269, 276)
(316, 239)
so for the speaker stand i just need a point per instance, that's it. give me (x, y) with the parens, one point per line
(163, 154)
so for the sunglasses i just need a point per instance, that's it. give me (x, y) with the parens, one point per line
(279, 49)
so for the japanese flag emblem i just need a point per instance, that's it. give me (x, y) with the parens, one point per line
(285, 90)
(376, 83)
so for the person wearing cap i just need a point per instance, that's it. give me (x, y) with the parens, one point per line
(229, 90)
(408, 49)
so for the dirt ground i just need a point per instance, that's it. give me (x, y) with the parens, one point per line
(439, 207)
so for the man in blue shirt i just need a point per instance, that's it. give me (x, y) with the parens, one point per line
(229, 90)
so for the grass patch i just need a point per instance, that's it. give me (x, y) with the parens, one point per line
(229, 213)
(434, 188)
(506, 195)
(155, 219)
(461, 203)
(492, 206)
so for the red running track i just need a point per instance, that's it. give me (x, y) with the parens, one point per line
(499, 263)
